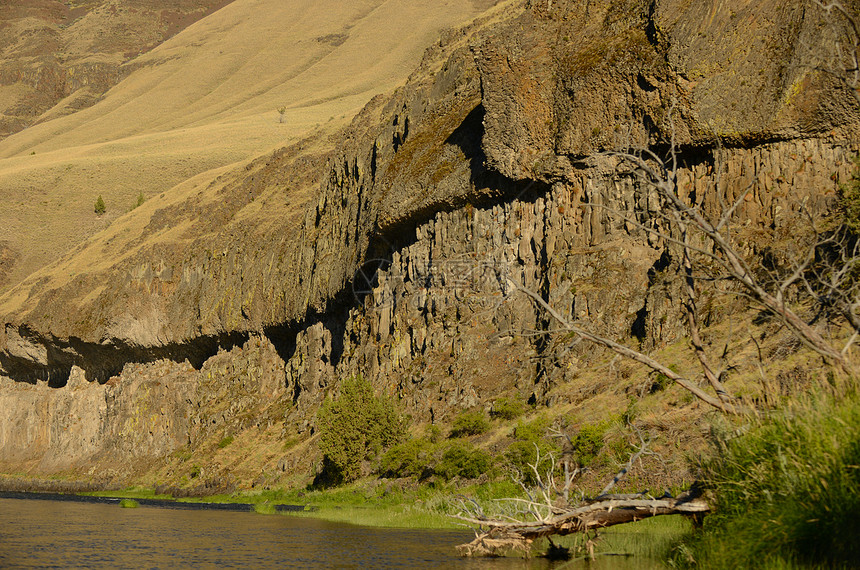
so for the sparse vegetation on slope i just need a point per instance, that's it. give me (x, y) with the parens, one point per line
(231, 70)
(99, 207)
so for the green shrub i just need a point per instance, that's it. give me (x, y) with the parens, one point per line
(225, 442)
(99, 207)
(629, 415)
(661, 382)
(413, 458)
(507, 409)
(521, 455)
(533, 430)
(353, 428)
(140, 200)
(433, 433)
(461, 459)
(182, 454)
(129, 504)
(786, 492)
(530, 441)
(425, 456)
(470, 423)
(588, 442)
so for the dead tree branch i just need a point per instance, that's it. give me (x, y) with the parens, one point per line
(662, 179)
(626, 351)
(501, 536)
(705, 243)
(626, 469)
(541, 515)
(849, 49)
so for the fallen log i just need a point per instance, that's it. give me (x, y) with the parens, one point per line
(499, 536)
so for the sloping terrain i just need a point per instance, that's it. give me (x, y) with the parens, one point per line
(207, 98)
(55, 59)
(60, 57)
(235, 302)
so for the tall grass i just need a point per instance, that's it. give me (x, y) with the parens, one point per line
(642, 545)
(787, 492)
(375, 505)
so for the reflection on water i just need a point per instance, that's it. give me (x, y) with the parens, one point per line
(60, 534)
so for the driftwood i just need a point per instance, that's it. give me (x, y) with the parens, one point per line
(501, 536)
(548, 510)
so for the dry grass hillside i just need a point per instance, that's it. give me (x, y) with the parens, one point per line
(59, 57)
(204, 100)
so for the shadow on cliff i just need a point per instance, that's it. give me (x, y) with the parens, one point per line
(100, 362)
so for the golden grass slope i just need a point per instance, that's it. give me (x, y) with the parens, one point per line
(203, 100)
(58, 57)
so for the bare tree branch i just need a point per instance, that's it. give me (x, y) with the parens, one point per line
(851, 72)
(624, 470)
(693, 322)
(497, 534)
(626, 352)
(662, 178)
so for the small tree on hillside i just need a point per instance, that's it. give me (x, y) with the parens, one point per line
(99, 207)
(353, 428)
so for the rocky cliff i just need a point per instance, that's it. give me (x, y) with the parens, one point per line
(387, 253)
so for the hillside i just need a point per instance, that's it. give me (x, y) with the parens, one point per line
(378, 236)
(57, 57)
(205, 99)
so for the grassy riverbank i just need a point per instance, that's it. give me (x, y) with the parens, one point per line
(784, 485)
(373, 504)
(785, 489)
(367, 502)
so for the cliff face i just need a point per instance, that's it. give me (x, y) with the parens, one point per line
(392, 257)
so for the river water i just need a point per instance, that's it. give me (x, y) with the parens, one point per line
(70, 534)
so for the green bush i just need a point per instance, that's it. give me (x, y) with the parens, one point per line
(530, 441)
(421, 458)
(533, 430)
(470, 423)
(225, 442)
(99, 207)
(413, 458)
(588, 442)
(140, 200)
(786, 492)
(521, 455)
(507, 409)
(182, 454)
(355, 427)
(433, 433)
(461, 459)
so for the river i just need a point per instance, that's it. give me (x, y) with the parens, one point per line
(72, 534)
